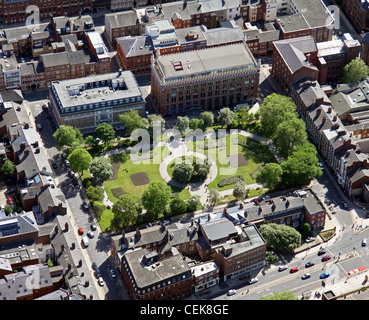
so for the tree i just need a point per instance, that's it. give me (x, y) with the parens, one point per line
(273, 111)
(270, 175)
(105, 132)
(208, 118)
(8, 167)
(225, 117)
(290, 133)
(301, 167)
(132, 121)
(67, 136)
(8, 209)
(178, 206)
(183, 172)
(126, 211)
(239, 191)
(154, 120)
(80, 160)
(183, 124)
(355, 71)
(196, 124)
(101, 168)
(280, 237)
(95, 194)
(284, 295)
(193, 203)
(90, 141)
(241, 118)
(201, 170)
(155, 199)
(213, 196)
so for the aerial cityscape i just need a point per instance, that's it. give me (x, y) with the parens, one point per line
(184, 150)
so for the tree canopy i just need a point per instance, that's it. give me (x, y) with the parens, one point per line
(101, 168)
(270, 175)
(105, 132)
(126, 211)
(183, 172)
(132, 121)
(208, 118)
(155, 199)
(225, 117)
(8, 167)
(355, 71)
(67, 136)
(80, 160)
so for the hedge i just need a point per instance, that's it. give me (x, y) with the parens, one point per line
(230, 180)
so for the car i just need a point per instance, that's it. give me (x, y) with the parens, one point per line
(71, 174)
(294, 269)
(112, 273)
(80, 231)
(90, 234)
(93, 227)
(324, 275)
(22, 60)
(281, 268)
(310, 239)
(9, 200)
(64, 155)
(85, 206)
(75, 181)
(101, 281)
(66, 162)
(321, 251)
(98, 273)
(306, 276)
(253, 280)
(345, 205)
(39, 127)
(53, 163)
(309, 264)
(363, 243)
(326, 258)
(231, 292)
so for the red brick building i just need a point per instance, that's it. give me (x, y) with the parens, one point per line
(357, 12)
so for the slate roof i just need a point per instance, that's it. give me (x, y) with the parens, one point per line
(221, 229)
(136, 46)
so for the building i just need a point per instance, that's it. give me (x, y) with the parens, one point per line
(205, 79)
(306, 18)
(135, 53)
(205, 276)
(357, 12)
(99, 52)
(86, 102)
(146, 276)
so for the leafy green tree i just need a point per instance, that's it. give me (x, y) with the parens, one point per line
(280, 237)
(155, 199)
(242, 118)
(183, 124)
(183, 172)
(8, 167)
(67, 136)
(270, 175)
(155, 119)
(101, 168)
(290, 133)
(80, 160)
(305, 230)
(193, 203)
(225, 117)
(284, 295)
(201, 170)
(301, 167)
(273, 111)
(95, 193)
(132, 121)
(213, 196)
(239, 190)
(8, 209)
(90, 141)
(178, 206)
(196, 124)
(208, 118)
(98, 208)
(355, 71)
(126, 211)
(105, 132)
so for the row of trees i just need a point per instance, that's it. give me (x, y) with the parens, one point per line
(158, 202)
(281, 123)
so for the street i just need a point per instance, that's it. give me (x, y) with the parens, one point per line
(99, 245)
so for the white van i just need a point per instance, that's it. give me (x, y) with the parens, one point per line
(85, 241)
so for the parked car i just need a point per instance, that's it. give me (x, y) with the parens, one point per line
(306, 276)
(85, 206)
(9, 200)
(71, 174)
(231, 292)
(98, 273)
(321, 251)
(363, 243)
(309, 264)
(281, 268)
(53, 163)
(294, 269)
(90, 234)
(93, 227)
(112, 273)
(253, 280)
(101, 281)
(324, 275)
(326, 258)
(80, 231)
(345, 205)
(310, 239)
(66, 162)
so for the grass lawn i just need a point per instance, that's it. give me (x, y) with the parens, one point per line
(124, 180)
(255, 152)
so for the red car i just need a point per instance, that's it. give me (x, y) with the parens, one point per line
(294, 269)
(80, 231)
(10, 200)
(326, 258)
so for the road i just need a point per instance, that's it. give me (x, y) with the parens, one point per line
(99, 245)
